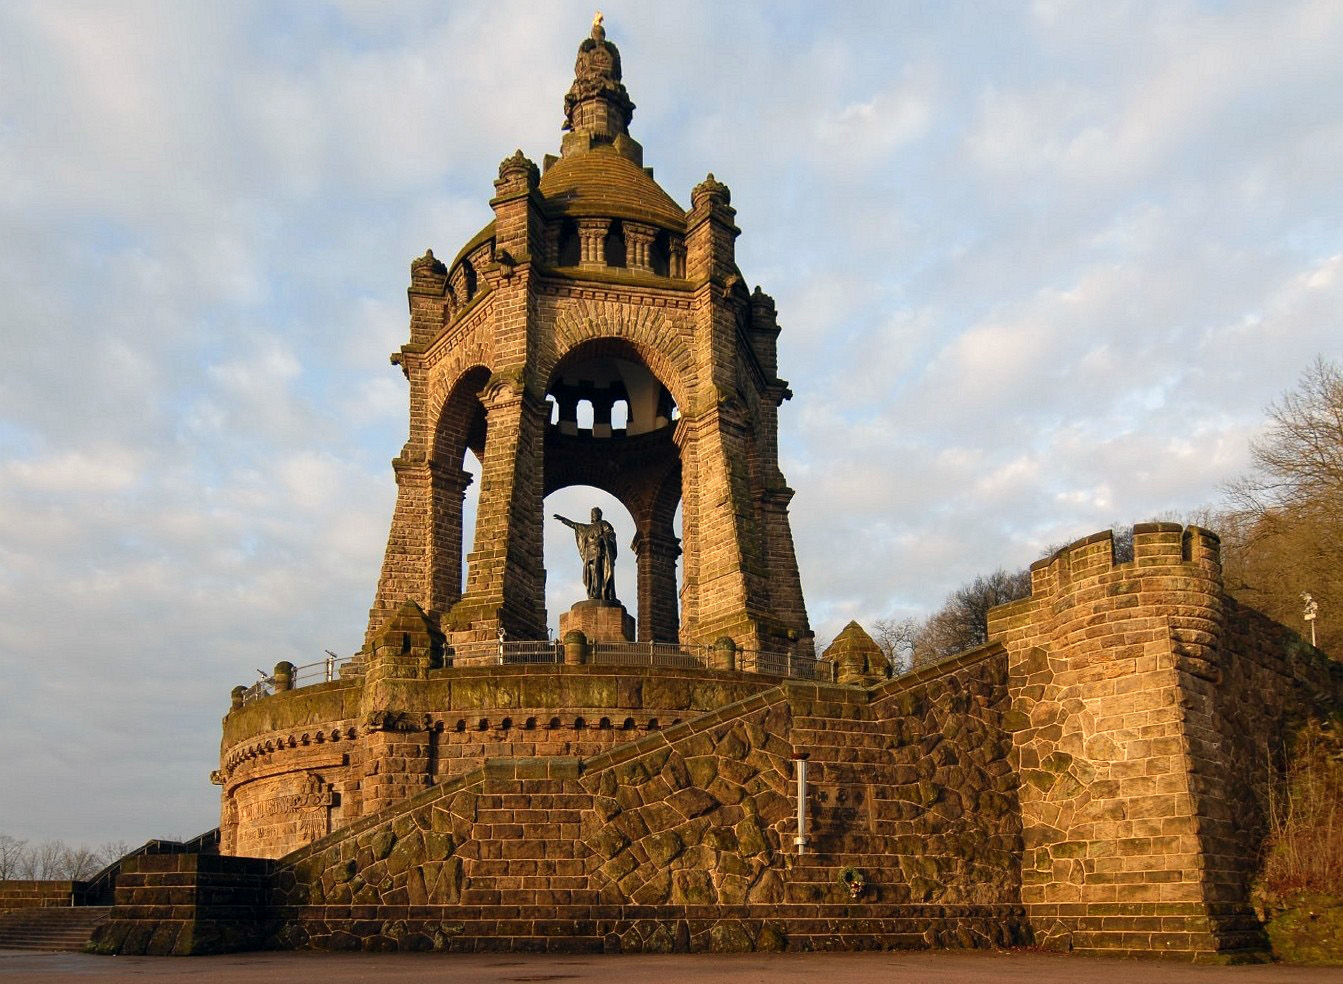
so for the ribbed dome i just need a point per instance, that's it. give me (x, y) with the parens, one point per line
(602, 183)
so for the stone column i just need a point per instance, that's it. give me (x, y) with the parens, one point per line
(638, 246)
(506, 586)
(657, 552)
(676, 247)
(592, 242)
(448, 484)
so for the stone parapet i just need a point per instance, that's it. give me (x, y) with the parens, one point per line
(186, 905)
(1109, 741)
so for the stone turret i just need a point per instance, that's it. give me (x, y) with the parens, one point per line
(597, 109)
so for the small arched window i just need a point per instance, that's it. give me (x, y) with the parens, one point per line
(615, 244)
(659, 254)
(469, 275)
(570, 251)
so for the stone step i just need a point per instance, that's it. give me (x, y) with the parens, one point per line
(66, 928)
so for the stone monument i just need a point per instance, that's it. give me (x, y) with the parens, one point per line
(592, 285)
(600, 617)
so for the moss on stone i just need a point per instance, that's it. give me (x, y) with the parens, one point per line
(1308, 930)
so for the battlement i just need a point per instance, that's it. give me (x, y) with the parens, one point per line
(1156, 546)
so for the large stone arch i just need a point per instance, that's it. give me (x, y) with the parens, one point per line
(459, 425)
(642, 470)
(642, 330)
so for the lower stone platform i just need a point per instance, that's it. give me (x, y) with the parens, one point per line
(650, 929)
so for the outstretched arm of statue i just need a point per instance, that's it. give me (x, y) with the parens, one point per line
(567, 522)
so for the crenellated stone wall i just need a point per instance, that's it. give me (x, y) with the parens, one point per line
(1129, 683)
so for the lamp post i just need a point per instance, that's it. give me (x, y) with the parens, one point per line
(1312, 609)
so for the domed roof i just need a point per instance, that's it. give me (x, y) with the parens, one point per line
(602, 182)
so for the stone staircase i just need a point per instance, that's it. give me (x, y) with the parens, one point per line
(63, 928)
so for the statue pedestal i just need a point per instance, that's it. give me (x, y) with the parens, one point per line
(600, 621)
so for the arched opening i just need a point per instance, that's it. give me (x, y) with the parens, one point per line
(570, 249)
(659, 254)
(469, 276)
(611, 446)
(455, 487)
(614, 246)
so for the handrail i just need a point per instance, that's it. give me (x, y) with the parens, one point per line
(512, 652)
(101, 888)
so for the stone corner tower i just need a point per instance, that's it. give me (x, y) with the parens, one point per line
(592, 284)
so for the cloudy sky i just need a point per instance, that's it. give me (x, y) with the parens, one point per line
(1039, 267)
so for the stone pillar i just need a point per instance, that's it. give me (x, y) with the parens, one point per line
(711, 233)
(519, 226)
(592, 242)
(602, 403)
(575, 648)
(507, 580)
(283, 676)
(656, 553)
(396, 758)
(676, 247)
(638, 246)
(723, 654)
(448, 484)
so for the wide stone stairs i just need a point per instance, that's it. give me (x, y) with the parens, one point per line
(64, 928)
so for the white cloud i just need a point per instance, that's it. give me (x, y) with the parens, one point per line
(1038, 270)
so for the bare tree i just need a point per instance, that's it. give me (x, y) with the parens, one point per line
(1298, 464)
(13, 857)
(1284, 536)
(110, 851)
(963, 621)
(896, 639)
(47, 860)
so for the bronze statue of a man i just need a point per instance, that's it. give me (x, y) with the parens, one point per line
(597, 546)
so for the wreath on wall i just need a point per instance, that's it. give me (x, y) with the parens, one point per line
(852, 879)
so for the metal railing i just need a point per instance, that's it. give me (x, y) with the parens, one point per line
(485, 652)
(262, 688)
(324, 670)
(530, 652)
(646, 654)
(782, 664)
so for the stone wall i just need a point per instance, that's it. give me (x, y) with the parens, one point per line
(300, 764)
(682, 839)
(1265, 686)
(1092, 779)
(1129, 683)
(186, 904)
(29, 894)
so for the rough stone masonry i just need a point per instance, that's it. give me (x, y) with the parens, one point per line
(1092, 779)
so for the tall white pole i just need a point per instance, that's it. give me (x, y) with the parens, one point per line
(800, 767)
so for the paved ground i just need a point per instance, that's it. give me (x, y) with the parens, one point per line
(781, 968)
